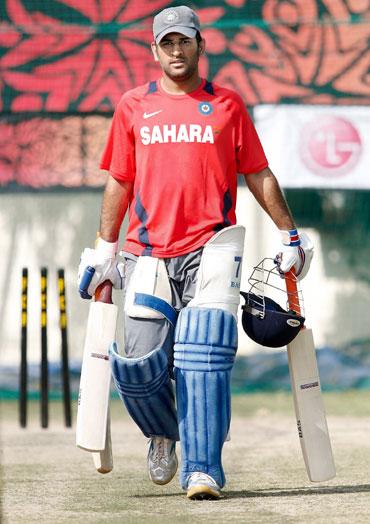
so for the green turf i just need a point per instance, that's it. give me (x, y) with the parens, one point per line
(351, 402)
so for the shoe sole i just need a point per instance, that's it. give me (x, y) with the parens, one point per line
(203, 492)
(161, 482)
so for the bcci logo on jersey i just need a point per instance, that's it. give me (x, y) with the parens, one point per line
(205, 108)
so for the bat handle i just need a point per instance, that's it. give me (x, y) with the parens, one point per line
(292, 291)
(103, 293)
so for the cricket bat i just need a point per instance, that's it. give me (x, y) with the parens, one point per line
(308, 402)
(93, 422)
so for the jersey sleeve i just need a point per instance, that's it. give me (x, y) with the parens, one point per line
(250, 155)
(119, 154)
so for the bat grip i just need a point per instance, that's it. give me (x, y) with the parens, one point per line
(103, 293)
(292, 291)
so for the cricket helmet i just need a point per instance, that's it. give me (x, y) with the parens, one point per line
(263, 319)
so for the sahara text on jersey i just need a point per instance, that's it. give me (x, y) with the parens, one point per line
(172, 133)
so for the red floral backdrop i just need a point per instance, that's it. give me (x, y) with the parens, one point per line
(64, 65)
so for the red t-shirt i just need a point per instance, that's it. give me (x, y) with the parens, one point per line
(183, 153)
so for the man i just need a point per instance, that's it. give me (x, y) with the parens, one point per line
(173, 154)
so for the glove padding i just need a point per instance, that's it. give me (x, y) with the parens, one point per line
(299, 256)
(98, 265)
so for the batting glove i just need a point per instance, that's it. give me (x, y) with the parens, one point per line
(297, 252)
(98, 265)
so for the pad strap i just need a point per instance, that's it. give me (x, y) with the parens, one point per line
(158, 304)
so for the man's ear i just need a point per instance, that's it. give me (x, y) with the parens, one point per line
(154, 51)
(202, 47)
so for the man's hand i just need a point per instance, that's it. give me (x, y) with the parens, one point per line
(98, 265)
(297, 251)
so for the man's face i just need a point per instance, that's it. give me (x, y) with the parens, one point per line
(178, 55)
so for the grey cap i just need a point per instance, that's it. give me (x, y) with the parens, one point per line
(180, 19)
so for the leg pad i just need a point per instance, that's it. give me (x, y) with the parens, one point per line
(205, 347)
(145, 387)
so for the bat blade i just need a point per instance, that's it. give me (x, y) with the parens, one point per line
(309, 407)
(103, 460)
(93, 402)
(308, 402)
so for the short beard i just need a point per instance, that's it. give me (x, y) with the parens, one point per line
(192, 68)
(181, 76)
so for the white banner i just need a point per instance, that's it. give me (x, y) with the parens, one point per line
(316, 146)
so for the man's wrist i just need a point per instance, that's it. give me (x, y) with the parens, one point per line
(290, 237)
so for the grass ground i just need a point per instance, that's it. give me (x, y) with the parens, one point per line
(46, 479)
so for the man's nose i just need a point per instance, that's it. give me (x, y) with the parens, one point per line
(177, 49)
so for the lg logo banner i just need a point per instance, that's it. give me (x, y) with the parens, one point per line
(317, 146)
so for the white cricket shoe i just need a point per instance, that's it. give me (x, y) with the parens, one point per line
(202, 487)
(162, 460)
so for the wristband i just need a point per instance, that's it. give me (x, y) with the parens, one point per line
(290, 237)
(107, 249)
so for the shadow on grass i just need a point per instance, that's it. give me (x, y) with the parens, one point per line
(268, 492)
(156, 495)
(282, 492)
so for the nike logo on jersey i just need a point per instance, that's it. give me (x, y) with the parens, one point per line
(174, 133)
(149, 115)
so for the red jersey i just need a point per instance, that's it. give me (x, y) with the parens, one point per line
(182, 153)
